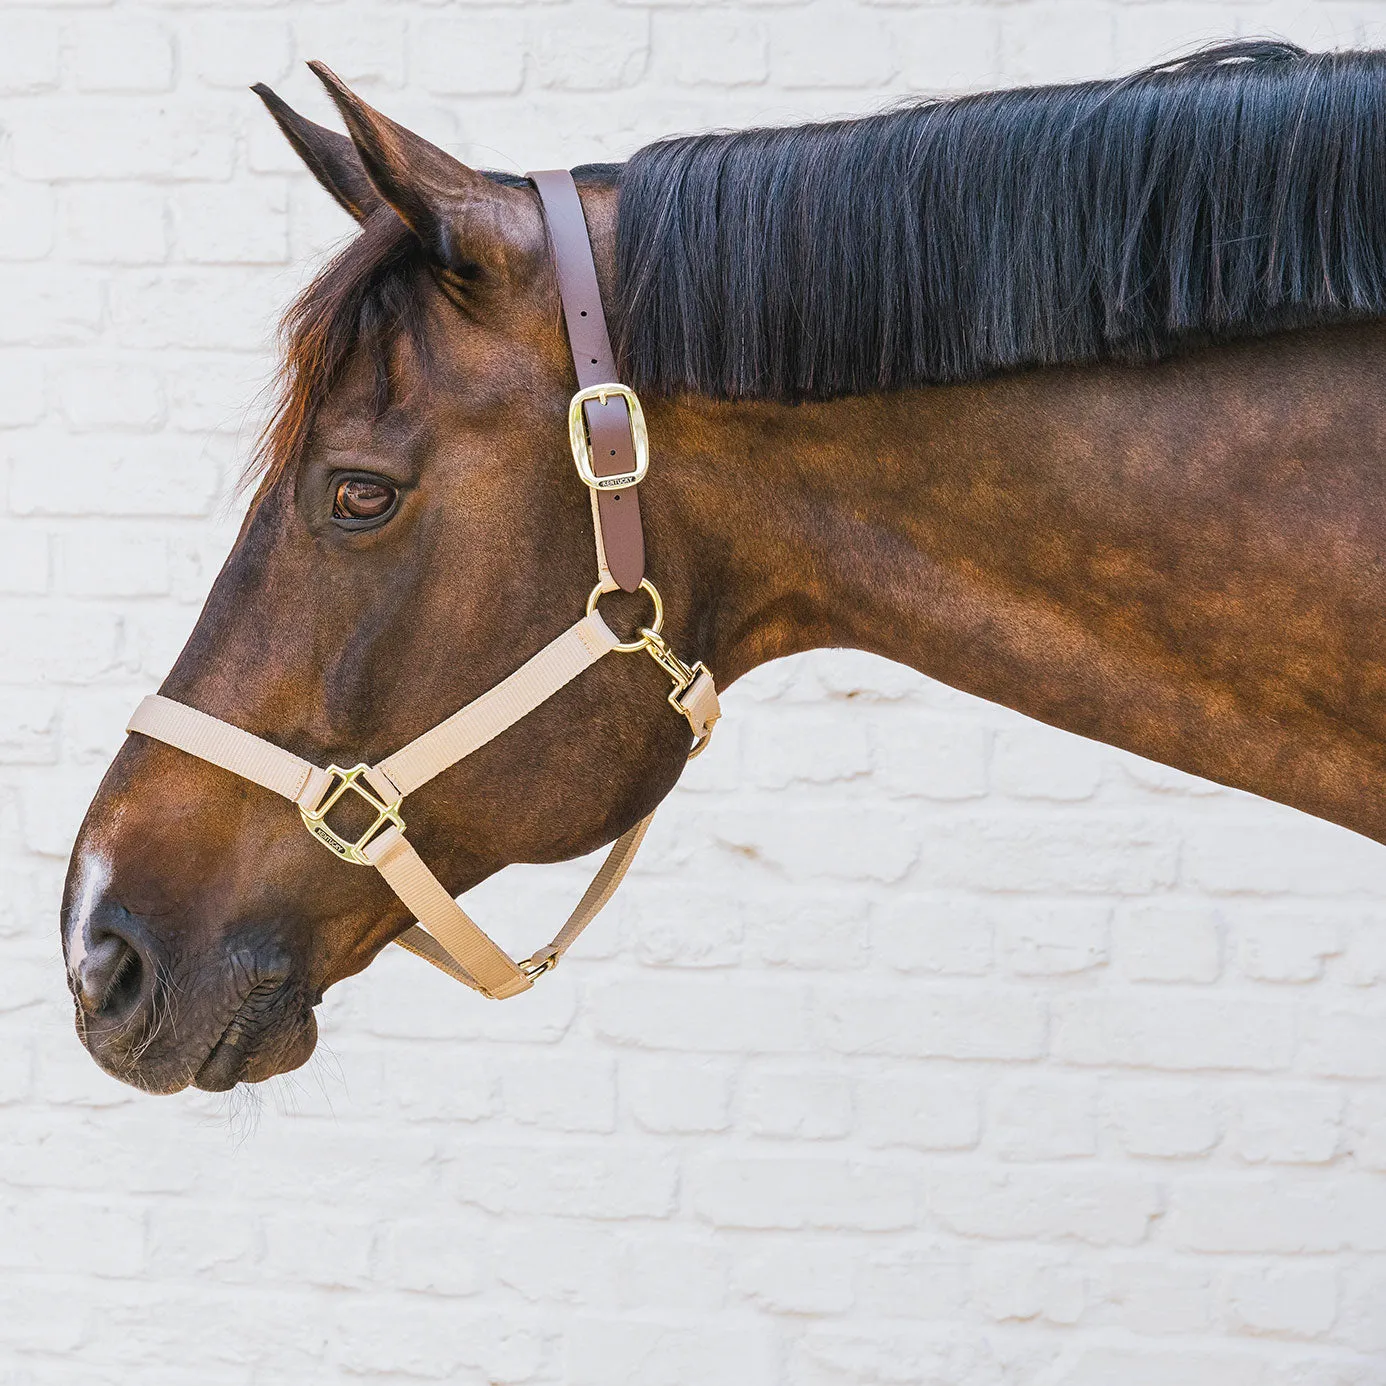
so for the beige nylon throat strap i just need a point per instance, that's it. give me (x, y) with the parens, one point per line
(446, 935)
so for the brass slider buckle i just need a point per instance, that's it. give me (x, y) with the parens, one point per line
(582, 444)
(315, 820)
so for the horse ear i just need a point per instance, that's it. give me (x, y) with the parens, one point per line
(454, 211)
(331, 158)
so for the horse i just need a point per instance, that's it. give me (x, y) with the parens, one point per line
(1069, 397)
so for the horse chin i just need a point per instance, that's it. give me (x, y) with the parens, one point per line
(252, 1051)
(270, 1029)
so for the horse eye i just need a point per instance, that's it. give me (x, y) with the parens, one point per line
(358, 498)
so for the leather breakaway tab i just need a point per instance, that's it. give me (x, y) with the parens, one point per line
(620, 538)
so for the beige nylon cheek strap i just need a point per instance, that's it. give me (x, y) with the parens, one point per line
(445, 936)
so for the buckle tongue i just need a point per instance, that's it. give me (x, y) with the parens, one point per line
(386, 813)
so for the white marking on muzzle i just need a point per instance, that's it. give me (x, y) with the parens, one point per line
(94, 871)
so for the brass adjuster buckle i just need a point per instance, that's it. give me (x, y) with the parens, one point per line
(315, 820)
(582, 443)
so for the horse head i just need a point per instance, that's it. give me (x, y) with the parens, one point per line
(416, 534)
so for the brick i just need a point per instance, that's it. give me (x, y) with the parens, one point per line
(111, 394)
(947, 936)
(571, 54)
(61, 1234)
(29, 56)
(115, 223)
(1345, 1043)
(468, 54)
(1285, 947)
(915, 1282)
(125, 53)
(239, 223)
(760, 1192)
(1163, 1120)
(715, 49)
(160, 140)
(808, 842)
(1366, 1122)
(414, 1337)
(1059, 41)
(1185, 1032)
(602, 1350)
(237, 309)
(199, 1239)
(806, 1104)
(1172, 941)
(669, 1095)
(828, 47)
(772, 750)
(1029, 1287)
(1038, 762)
(1148, 1293)
(46, 308)
(1067, 854)
(918, 1108)
(28, 726)
(22, 389)
(1272, 1215)
(579, 1181)
(674, 1268)
(1306, 857)
(126, 566)
(63, 642)
(676, 931)
(797, 1276)
(968, 1023)
(1103, 1208)
(235, 51)
(557, 1262)
(558, 1093)
(1293, 1301)
(1289, 1126)
(25, 567)
(958, 49)
(27, 220)
(1043, 1119)
(369, 50)
(816, 930)
(928, 758)
(112, 475)
(706, 1015)
(1042, 940)
(1141, 1366)
(427, 1256)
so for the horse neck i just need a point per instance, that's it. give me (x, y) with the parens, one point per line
(1171, 559)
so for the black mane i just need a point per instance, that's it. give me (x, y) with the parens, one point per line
(1236, 192)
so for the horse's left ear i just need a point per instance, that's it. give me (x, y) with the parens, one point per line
(460, 216)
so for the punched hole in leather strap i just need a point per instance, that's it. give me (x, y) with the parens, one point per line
(616, 514)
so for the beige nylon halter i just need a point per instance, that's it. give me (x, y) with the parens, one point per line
(445, 935)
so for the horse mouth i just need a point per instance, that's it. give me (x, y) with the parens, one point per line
(270, 1032)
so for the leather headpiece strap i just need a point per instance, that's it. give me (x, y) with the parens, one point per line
(616, 514)
(606, 428)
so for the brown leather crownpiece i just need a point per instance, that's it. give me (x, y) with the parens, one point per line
(622, 537)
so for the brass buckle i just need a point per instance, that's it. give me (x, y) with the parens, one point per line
(315, 820)
(582, 444)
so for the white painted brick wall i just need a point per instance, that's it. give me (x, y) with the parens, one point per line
(926, 1044)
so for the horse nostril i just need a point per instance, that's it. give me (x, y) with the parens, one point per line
(110, 978)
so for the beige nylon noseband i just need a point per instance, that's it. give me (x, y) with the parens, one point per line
(445, 935)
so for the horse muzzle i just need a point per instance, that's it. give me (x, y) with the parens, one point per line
(241, 1016)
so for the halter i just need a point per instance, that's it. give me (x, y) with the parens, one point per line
(606, 428)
